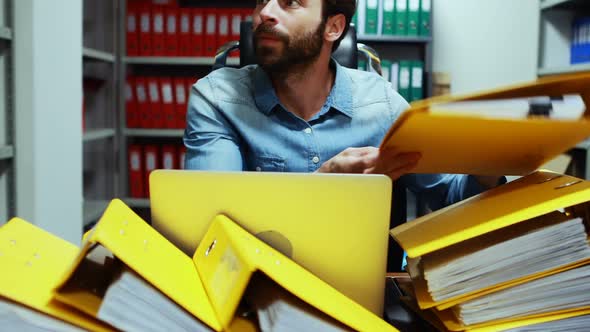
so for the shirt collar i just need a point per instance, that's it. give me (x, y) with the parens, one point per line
(340, 97)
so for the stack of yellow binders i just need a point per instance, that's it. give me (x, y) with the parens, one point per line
(517, 287)
(46, 275)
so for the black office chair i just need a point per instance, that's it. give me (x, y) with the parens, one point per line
(347, 53)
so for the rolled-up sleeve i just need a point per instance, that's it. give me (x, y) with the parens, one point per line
(211, 141)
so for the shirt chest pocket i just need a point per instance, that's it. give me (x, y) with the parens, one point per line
(267, 163)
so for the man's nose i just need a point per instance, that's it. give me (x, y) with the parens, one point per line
(268, 14)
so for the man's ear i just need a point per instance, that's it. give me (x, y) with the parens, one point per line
(334, 27)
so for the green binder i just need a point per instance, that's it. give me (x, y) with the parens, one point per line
(372, 17)
(401, 17)
(425, 18)
(405, 79)
(395, 76)
(413, 17)
(386, 70)
(388, 17)
(362, 65)
(417, 85)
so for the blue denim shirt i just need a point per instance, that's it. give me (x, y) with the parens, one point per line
(236, 122)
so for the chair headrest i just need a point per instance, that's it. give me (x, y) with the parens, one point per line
(346, 54)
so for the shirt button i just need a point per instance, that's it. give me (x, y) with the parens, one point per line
(258, 169)
(307, 130)
(315, 159)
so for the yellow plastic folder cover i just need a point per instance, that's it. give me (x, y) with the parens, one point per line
(129, 238)
(229, 255)
(534, 195)
(475, 144)
(33, 261)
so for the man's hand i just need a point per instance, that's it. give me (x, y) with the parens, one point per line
(369, 160)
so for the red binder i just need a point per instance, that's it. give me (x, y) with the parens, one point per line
(184, 31)
(143, 105)
(158, 32)
(181, 156)
(210, 32)
(247, 14)
(236, 19)
(223, 28)
(131, 112)
(172, 33)
(169, 158)
(136, 177)
(145, 29)
(168, 109)
(150, 163)
(155, 102)
(197, 33)
(180, 102)
(132, 29)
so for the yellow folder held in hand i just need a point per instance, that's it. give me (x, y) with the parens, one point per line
(473, 143)
(33, 261)
(228, 256)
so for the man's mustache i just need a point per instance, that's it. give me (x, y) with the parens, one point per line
(270, 31)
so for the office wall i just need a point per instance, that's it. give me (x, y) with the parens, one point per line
(485, 43)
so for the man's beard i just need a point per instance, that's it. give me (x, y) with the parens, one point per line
(299, 50)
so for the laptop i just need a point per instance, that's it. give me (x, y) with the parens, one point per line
(334, 225)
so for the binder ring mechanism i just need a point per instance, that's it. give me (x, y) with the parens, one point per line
(540, 107)
(211, 247)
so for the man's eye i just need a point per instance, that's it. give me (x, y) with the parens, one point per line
(292, 3)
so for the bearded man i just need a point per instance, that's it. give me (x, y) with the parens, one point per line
(298, 110)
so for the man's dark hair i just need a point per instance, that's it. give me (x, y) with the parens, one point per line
(335, 7)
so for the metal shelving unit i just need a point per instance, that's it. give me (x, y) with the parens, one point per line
(176, 61)
(5, 33)
(153, 132)
(92, 54)
(396, 48)
(394, 39)
(98, 134)
(137, 202)
(578, 68)
(6, 152)
(8, 202)
(93, 210)
(155, 66)
(555, 35)
(100, 60)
